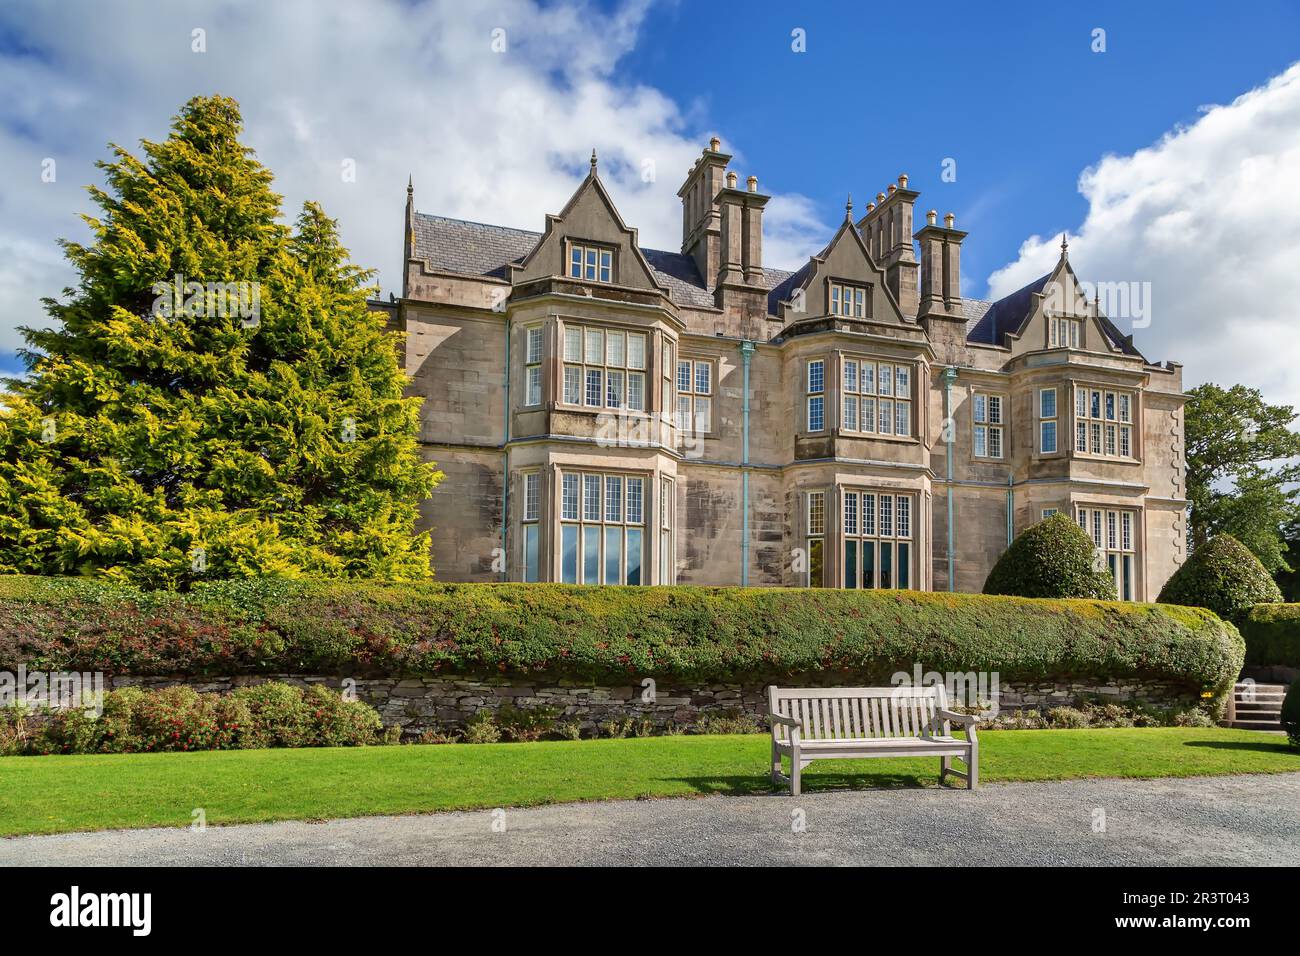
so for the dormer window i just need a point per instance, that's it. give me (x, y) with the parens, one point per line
(591, 263)
(849, 300)
(1063, 333)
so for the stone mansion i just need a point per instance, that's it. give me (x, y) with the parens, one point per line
(611, 414)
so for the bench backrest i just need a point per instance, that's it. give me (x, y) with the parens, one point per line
(853, 713)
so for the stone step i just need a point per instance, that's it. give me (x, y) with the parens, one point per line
(1256, 724)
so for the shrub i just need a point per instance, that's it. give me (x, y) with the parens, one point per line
(1225, 577)
(727, 722)
(279, 717)
(616, 727)
(569, 730)
(482, 729)
(1070, 717)
(1291, 714)
(336, 721)
(604, 635)
(1052, 559)
(1272, 633)
(180, 718)
(525, 723)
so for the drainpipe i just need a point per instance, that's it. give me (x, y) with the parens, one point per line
(1011, 484)
(505, 475)
(746, 353)
(949, 429)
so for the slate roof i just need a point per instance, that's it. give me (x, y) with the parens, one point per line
(989, 322)
(475, 248)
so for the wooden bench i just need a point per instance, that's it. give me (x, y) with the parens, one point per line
(821, 723)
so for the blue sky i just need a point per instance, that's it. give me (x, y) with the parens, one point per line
(1173, 158)
(1012, 91)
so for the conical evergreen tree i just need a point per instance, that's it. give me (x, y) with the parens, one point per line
(215, 399)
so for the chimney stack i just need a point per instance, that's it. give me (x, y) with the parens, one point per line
(941, 267)
(887, 231)
(701, 217)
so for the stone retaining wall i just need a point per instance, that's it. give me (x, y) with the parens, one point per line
(420, 704)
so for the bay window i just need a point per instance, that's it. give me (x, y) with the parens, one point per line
(601, 528)
(604, 368)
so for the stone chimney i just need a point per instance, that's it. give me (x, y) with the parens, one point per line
(701, 218)
(887, 231)
(940, 267)
(741, 217)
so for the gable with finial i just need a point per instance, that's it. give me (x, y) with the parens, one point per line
(589, 220)
(815, 290)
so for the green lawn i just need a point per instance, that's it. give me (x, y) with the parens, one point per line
(54, 794)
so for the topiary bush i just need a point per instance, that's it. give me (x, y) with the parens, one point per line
(1052, 559)
(1291, 715)
(1224, 576)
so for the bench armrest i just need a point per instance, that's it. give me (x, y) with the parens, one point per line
(967, 720)
(782, 719)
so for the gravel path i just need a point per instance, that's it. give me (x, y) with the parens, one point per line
(1245, 820)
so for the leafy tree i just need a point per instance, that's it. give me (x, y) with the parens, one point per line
(1051, 559)
(1225, 577)
(1239, 481)
(215, 399)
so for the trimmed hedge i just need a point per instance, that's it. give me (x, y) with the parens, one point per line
(601, 634)
(1224, 576)
(1272, 633)
(1051, 559)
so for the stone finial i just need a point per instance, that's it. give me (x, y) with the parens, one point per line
(1065, 245)
(931, 217)
(593, 159)
(410, 186)
(948, 220)
(752, 183)
(902, 180)
(731, 180)
(715, 145)
(848, 208)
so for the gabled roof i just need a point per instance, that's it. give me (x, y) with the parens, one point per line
(475, 248)
(991, 324)
(1005, 315)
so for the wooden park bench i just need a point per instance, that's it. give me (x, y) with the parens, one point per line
(818, 723)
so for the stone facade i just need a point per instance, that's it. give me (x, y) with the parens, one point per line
(446, 703)
(607, 413)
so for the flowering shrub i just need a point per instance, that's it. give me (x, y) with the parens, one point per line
(182, 719)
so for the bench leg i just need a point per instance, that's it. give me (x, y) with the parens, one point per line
(795, 772)
(973, 767)
(945, 764)
(776, 762)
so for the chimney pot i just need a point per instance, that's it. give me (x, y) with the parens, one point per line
(892, 189)
(715, 144)
(949, 219)
(880, 197)
(931, 217)
(870, 206)
(902, 180)
(731, 180)
(752, 183)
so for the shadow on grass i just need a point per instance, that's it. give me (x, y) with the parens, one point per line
(760, 785)
(1280, 747)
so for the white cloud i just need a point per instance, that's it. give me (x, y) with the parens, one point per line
(397, 87)
(1210, 216)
